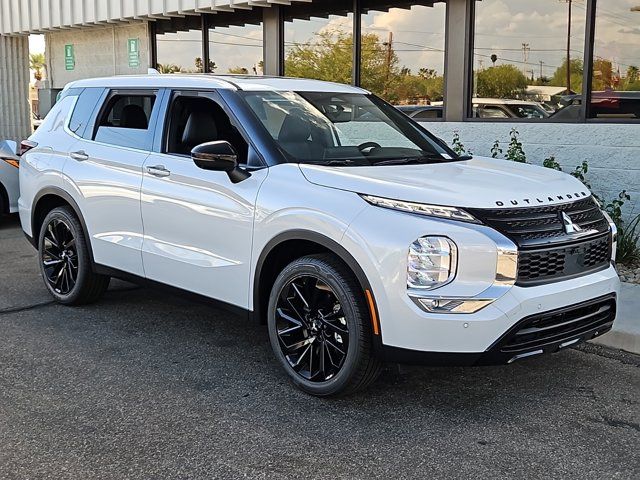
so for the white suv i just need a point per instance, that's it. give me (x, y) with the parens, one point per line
(318, 208)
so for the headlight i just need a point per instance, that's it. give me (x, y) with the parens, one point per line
(431, 262)
(614, 235)
(452, 213)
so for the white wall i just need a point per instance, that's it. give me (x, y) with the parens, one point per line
(612, 150)
(99, 52)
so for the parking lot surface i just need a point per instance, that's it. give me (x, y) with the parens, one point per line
(148, 385)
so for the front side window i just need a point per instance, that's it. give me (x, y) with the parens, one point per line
(343, 129)
(125, 121)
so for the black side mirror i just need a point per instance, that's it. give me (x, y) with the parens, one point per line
(219, 156)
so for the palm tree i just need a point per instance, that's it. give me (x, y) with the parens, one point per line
(37, 64)
(168, 68)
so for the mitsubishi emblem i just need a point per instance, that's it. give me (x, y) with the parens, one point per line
(569, 226)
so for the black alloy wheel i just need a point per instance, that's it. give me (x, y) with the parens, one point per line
(311, 327)
(320, 327)
(60, 257)
(65, 261)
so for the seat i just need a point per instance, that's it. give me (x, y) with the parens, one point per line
(133, 116)
(295, 136)
(200, 128)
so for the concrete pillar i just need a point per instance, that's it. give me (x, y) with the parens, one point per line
(458, 37)
(273, 41)
(15, 112)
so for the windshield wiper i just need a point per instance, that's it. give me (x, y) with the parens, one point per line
(340, 162)
(407, 160)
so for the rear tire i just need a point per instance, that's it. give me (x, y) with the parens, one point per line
(65, 262)
(320, 327)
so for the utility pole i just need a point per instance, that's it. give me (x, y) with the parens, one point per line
(525, 57)
(541, 73)
(389, 45)
(569, 48)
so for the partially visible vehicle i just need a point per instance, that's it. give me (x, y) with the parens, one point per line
(36, 121)
(421, 112)
(502, 108)
(9, 186)
(606, 104)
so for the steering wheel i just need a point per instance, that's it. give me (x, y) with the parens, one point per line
(368, 146)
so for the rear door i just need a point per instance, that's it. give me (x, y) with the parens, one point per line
(198, 225)
(105, 170)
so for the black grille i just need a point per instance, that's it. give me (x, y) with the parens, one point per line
(536, 226)
(559, 263)
(551, 330)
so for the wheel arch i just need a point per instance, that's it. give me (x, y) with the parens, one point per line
(286, 247)
(46, 200)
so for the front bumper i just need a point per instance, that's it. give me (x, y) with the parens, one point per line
(546, 332)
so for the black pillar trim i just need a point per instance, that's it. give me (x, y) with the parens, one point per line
(204, 25)
(153, 45)
(357, 43)
(280, 46)
(587, 75)
(468, 58)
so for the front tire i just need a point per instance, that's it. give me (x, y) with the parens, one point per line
(65, 262)
(320, 327)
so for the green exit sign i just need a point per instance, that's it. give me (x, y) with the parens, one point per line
(133, 49)
(69, 57)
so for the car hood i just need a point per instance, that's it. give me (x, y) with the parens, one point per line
(476, 183)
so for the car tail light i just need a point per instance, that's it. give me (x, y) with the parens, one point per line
(27, 145)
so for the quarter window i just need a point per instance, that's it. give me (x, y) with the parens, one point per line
(83, 111)
(126, 121)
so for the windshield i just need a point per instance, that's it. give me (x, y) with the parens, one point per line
(343, 129)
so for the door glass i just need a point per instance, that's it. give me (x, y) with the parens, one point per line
(125, 121)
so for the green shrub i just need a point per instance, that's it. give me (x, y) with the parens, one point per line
(456, 144)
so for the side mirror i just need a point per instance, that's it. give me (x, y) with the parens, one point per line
(8, 149)
(219, 156)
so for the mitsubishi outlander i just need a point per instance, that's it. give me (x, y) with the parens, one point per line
(317, 208)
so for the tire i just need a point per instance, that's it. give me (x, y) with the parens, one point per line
(65, 262)
(334, 318)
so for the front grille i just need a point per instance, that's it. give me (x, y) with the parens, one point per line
(555, 329)
(559, 263)
(536, 226)
(546, 251)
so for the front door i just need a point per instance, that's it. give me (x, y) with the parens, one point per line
(198, 225)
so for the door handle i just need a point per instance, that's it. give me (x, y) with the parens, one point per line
(158, 171)
(80, 155)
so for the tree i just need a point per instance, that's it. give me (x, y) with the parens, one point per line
(559, 78)
(168, 68)
(200, 65)
(632, 80)
(602, 74)
(503, 81)
(328, 56)
(239, 71)
(37, 64)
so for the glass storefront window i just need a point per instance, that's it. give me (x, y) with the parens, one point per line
(403, 53)
(236, 49)
(615, 81)
(178, 50)
(318, 41)
(528, 59)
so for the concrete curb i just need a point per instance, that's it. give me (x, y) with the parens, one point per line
(625, 334)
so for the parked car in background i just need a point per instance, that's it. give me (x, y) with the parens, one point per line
(609, 104)
(36, 121)
(421, 112)
(9, 188)
(356, 235)
(502, 108)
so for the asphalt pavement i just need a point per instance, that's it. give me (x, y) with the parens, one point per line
(148, 385)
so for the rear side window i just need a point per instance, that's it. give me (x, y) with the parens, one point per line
(126, 120)
(85, 105)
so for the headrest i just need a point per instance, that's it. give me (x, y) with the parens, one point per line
(133, 116)
(200, 128)
(295, 127)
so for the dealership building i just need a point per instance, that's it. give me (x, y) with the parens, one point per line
(564, 73)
